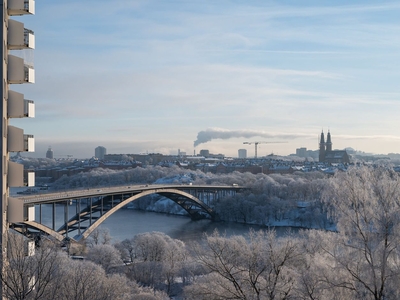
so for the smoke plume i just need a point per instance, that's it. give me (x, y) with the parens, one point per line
(224, 134)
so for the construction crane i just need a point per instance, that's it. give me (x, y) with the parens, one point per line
(256, 145)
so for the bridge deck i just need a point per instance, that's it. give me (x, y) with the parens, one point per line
(108, 191)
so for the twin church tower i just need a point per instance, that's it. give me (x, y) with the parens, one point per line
(324, 147)
(327, 155)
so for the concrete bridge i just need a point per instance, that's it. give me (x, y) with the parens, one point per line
(85, 210)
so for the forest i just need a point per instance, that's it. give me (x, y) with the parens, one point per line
(358, 258)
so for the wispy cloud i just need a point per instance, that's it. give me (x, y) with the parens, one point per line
(369, 137)
(116, 69)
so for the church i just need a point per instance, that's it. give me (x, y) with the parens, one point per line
(327, 155)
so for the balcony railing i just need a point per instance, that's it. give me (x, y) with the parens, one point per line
(29, 74)
(18, 141)
(29, 108)
(18, 177)
(19, 71)
(18, 107)
(29, 38)
(21, 7)
(26, 5)
(19, 37)
(29, 142)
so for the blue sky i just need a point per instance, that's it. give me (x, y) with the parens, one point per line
(150, 76)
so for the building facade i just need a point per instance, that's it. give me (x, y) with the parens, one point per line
(50, 153)
(14, 70)
(301, 152)
(242, 153)
(205, 153)
(100, 152)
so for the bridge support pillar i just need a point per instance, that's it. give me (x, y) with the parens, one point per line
(78, 212)
(54, 217)
(66, 218)
(40, 213)
(90, 212)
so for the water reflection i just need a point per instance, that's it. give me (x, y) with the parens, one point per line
(126, 223)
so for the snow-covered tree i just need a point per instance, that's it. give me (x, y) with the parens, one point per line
(127, 250)
(157, 258)
(261, 267)
(361, 260)
(31, 275)
(99, 236)
(106, 256)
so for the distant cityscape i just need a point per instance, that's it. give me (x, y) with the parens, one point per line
(325, 154)
(325, 159)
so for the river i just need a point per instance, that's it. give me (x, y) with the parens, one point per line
(126, 223)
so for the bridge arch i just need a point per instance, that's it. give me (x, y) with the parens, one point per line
(192, 205)
(185, 200)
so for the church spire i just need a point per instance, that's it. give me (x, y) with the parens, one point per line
(322, 139)
(328, 142)
(322, 147)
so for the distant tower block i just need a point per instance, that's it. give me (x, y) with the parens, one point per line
(301, 152)
(50, 153)
(205, 153)
(242, 153)
(100, 152)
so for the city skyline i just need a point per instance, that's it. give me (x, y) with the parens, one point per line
(300, 152)
(151, 76)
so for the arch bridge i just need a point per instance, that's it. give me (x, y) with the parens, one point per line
(76, 214)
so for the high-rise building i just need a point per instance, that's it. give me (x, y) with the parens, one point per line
(14, 70)
(205, 153)
(50, 153)
(301, 152)
(242, 153)
(99, 152)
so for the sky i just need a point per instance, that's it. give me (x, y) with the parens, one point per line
(155, 76)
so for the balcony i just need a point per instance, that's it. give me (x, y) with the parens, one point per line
(18, 141)
(18, 107)
(21, 7)
(15, 210)
(18, 177)
(18, 71)
(18, 212)
(19, 37)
